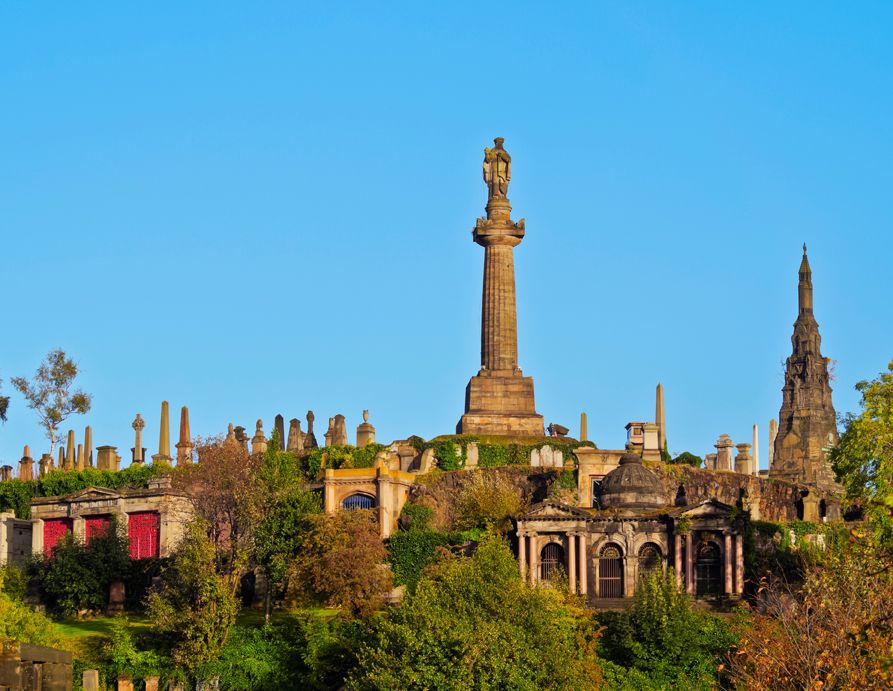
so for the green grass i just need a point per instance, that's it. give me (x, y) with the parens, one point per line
(98, 626)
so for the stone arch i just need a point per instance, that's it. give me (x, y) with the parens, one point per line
(552, 560)
(708, 568)
(358, 500)
(651, 558)
(610, 571)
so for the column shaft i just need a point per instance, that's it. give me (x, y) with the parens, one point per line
(739, 564)
(677, 559)
(522, 554)
(584, 566)
(499, 326)
(572, 562)
(689, 565)
(534, 561)
(727, 562)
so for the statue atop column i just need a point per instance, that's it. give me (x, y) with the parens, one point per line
(497, 170)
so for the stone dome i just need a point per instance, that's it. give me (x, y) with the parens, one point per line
(632, 486)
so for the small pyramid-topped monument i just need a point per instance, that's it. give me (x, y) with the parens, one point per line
(499, 399)
(807, 425)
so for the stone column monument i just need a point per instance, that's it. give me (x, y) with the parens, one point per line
(184, 445)
(164, 437)
(499, 399)
(138, 425)
(26, 465)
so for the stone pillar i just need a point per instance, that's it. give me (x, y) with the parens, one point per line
(727, 563)
(739, 564)
(26, 465)
(689, 564)
(724, 452)
(677, 559)
(80, 457)
(330, 432)
(534, 560)
(756, 450)
(279, 426)
(152, 683)
(61, 464)
(365, 431)
(5, 473)
(572, 562)
(773, 432)
(70, 451)
(660, 418)
(743, 460)
(184, 444)
(164, 437)
(258, 441)
(138, 425)
(125, 683)
(339, 431)
(522, 554)
(45, 464)
(88, 446)
(584, 431)
(583, 558)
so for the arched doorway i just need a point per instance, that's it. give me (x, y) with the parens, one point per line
(551, 561)
(708, 569)
(650, 558)
(610, 572)
(358, 501)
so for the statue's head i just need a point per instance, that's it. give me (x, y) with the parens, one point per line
(498, 141)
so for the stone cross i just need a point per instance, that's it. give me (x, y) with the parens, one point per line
(138, 425)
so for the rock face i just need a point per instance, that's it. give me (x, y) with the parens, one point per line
(807, 421)
(499, 399)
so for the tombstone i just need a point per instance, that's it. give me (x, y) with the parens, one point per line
(556, 430)
(26, 466)
(241, 437)
(743, 460)
(365, 431)
(471, 458)
(295, 436)
(279, 426)
(258, 441)
(90, 680)
(428, 461)
(724, 452)
(116, 597)
(710, 461)
(152, 683)
(107, 458)
(45, 464)
(339, 431)
(125, 683)
(5, 473)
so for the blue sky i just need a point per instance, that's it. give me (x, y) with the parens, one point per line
(259, 208)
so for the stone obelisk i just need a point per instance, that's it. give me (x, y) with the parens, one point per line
(88, 446)
(499, 399)
(660, 418)
(807, 424)
(184, 445)
(164, 437)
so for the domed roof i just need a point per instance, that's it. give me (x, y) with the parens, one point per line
(631, 485)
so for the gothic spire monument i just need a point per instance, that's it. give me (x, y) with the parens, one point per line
(499, 398)
(807, 425)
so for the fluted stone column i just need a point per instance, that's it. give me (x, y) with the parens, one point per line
(583, 558)
(572, 562)
(727, 562)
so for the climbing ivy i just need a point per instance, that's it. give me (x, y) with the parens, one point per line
(314, 461)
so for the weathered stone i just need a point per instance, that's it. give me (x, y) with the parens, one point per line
(755, 466)
(107, 458)
(5, 473)
(471, 458)
(295, 436)
(724, 456)
(660, 418)
(70, 450)
(184, 443)
(90, 680)
(80, 458)
(773, 433)
(330, 432)
(138, 425)
(88, 446)
(339, 431)
(164, 437)
(258, 441)
(365, 431)
(499, 400)
(556, 430)
(310, 438)
(116, 597)
(428, 461)
(125, 683)
(743, 461)
(241, 437)
(26, 465)
(546, 457)
(807, 421)
(152, 683)
(279, 426)
(45, 464)
(584, 431)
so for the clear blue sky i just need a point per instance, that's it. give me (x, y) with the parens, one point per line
(254, 208)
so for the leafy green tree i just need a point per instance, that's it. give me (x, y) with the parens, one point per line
(20, 622)
(342, 563)
(4, 404)
(195, 607)
(473, 623)
(662, 642)
(49, 393)
(863, 459)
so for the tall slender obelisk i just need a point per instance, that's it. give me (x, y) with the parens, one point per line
(499, 399)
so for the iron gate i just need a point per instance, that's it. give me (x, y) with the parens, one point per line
(610, 572)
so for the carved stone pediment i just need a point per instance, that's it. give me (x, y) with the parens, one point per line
(95, 494)
(709, 508)
(549, 509)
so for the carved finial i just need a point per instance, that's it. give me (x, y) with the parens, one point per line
(138, 423)
(804, 248)
(365, 416)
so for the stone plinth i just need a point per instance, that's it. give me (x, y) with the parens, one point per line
(500, 402)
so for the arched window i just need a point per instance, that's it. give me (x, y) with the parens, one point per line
(708, 569)
(358, 501)
(650, 558)
(610, 571)
(551, 561)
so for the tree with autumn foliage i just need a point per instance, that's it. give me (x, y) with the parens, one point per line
(342, 563)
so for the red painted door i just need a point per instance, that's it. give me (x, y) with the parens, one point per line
(54, 529)
(96, 526)
(143, 528)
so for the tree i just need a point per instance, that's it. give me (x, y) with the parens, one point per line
(49, 393)
(863, 459)
(488, 501)
(4, 404)
(195, 607)
(473, 623)
(20, 622)
(342, 563)
(225, 489)
(687, 458)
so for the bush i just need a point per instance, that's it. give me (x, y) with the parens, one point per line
(18, 621)
(409, 553)
(473, 623)
(13, 582)
(663, 638)
(415, 516)
(488, 501)
(686, 458)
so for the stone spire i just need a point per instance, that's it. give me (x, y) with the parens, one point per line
(164, 437)
(61, 463)
(660, 419)
(88, 446)
(807, 421)
(279, 426)
(770, 451)
(756, 449)
(499, 400)
(70, 451)
(138, 425)
(184, 445)
(80, 458)
(584, 428)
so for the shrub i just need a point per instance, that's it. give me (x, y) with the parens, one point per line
(686, 458)
(488, 501)
(410, 552)
(18, 621)
(415, 516)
